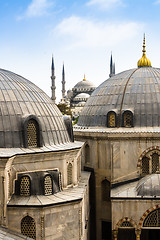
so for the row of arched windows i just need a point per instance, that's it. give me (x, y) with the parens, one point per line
(49, 185)
(127, 119)
(25, 185)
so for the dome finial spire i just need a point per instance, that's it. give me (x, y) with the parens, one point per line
(84, 79)
(144, 45)
(144, 61)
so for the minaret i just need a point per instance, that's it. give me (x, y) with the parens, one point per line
(53, 87)
(63, 83)
(112, 67)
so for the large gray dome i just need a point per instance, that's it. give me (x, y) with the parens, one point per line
(19, 99)
(136, 90)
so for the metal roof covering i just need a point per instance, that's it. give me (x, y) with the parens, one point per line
(147, 187)
(84, 84)
(7, 234)
(20, 98)
(137, 90)
(67, 195)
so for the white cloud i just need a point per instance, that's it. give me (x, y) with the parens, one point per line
(37, 8)
(157, 2)
(88, 33)
(105, 4)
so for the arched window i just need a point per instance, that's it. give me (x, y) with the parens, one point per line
(126, 224)
(155, 162)
(28, 227)
(69, 174)
(111, 119)
(128, 119)
(25, 186)
(87, 153)
(150, 164)
(145, 165)
(32, 133)
(153, 219)
(105, 188)
(48, 186)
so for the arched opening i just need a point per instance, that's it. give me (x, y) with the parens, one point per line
(32, 133)
(28, 227)
(151, 226)
(25, 186)
(87, 153)
(127, 119)
(145, 166)
(48, 186)
(105, 190)
(126, 231)
(111, 119)
(69, 174)
(155, 162)
(150, 163)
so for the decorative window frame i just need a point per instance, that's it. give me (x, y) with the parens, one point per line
(108, 124)
(130, 220)
(142, 219)
(148, 153)
(24, 130)
(132, 120)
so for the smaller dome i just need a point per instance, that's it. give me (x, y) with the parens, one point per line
(144, 61)
(82, 96)
(84, 84)
(149, 185)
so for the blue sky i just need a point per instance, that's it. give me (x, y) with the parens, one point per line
(82, 33)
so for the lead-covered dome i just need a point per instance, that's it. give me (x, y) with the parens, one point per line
(84, 85)
(149, 185)
(136, 91)
(21, 101)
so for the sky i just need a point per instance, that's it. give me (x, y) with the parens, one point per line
(80, 33)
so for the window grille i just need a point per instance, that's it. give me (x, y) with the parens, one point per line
(155, 162)
(69, 174)
(25, 186)
(128, 119)
(48, 185)
(145, 165)
(28, 227)
(111, 119)
(32, 133)
(105, 188)
(126, 224)
(153, 219)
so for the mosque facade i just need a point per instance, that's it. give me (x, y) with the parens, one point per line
(120, 126)
(43, 193)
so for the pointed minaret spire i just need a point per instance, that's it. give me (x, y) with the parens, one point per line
(63, 83)
(112, 67)
(53, 86)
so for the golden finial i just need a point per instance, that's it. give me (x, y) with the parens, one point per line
(144, 61)
(84, 79)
